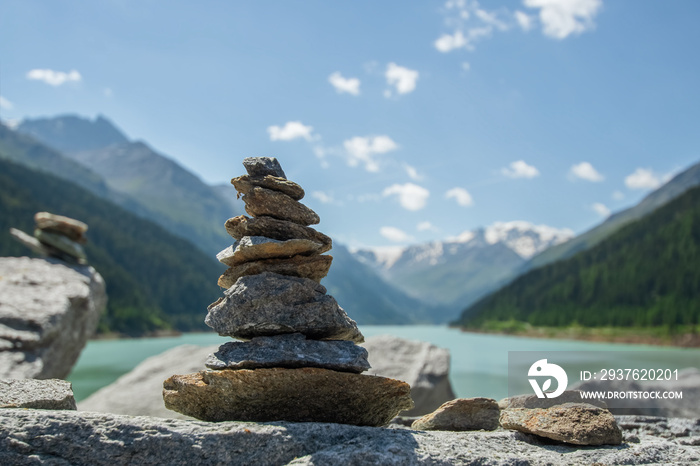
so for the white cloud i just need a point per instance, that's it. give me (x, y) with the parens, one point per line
(363, 150)
(412, 172)
(585, 171)
(403, 79)
(601, 209)
(643, 178)
(394, 234)
(54, 78)
(323, 197)
(291, 130)
(524, 20)
(491, 18)
(561, 18)
(446, 42)
(341, 84)
(461, 195)
(426, 226)
(618, 195)
(6, 104)
(520, 169)
(411, 196)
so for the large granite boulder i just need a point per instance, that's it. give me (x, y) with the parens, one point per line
(425, 367)
(78, 438)
(48, 310)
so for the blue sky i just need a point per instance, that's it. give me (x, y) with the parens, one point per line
(405, 121)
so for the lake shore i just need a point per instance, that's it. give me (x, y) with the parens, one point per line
(600, 335)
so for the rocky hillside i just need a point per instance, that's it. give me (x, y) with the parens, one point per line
(183, 202)
(644, 275)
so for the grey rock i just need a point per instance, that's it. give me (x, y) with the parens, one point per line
(688, 382)
(311, 267)
(266, 202)
(245, 183)
(290, 351)
(270, 304)
(575, 423)
(423, 366)
(78, 438)
(241, 226)
(48, 310)
(461, 414)
(261, 166)
(62, 243)
(531, 401)
(31, 242)
(36, 394)
(251, 248)
(139, 392)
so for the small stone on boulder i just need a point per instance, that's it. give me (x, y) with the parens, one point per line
(244, 184)
(251, 248)
(311, 267)
(73, 229)
(290, 351)
(575, 423)
(261, 166)
(461, 414)
(61, 243)
(282, 230)
(298, 395)
(261, 201)
(36, 394)
(270, 304)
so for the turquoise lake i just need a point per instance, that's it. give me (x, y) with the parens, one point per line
(479, 362)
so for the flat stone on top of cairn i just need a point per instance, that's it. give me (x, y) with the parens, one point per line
(302, 362)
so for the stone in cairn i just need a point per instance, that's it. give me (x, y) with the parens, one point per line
(55, 236)
(299, 360)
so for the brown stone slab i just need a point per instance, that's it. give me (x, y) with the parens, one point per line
(312, 267)
(261, 201)
(282, 230)
(298, 395)
(244, 184)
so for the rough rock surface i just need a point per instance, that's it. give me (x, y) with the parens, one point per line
(300, 395)
(244, 184)
(262, 166)
(48, 310)
(532, 401)
(688, 382)
(140, 391)
(252, 248)
(282, 230)
(290, 351)
(260, 201)
(423, 366)
(36, 394)
(462, 414)
(576, 423)
(76, 438)
(270, 304)
(311, 267)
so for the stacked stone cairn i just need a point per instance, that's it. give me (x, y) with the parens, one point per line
(298, 360)
(55, 236)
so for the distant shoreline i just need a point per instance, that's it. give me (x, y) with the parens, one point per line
(606, 335)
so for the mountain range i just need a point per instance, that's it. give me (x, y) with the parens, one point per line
(359, 289)
(457, 272)
(170, 194)
(644, 274)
